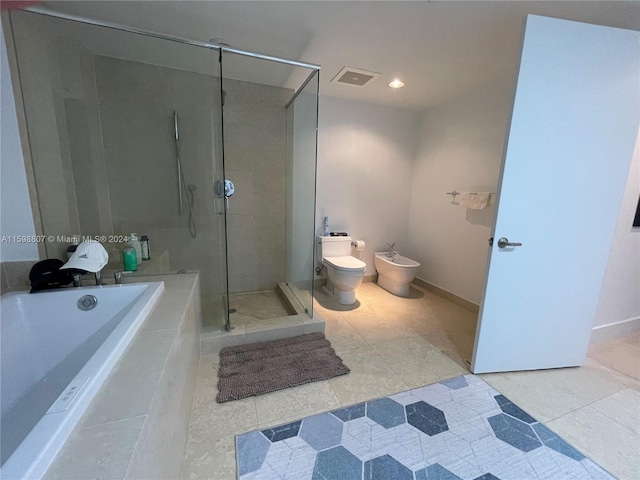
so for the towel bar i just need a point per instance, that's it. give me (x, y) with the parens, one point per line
(454, 193)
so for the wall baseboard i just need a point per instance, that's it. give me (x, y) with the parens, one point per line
(452, 297)
(603, 333)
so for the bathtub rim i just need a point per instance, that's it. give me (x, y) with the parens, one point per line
(51, 432)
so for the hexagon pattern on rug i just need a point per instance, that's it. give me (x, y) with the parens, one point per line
(337, 463)
(457, 429)
(386, 412)
(282, 432)
(386, 467)
(455, 383)
(426, 418)
(252, 449)
(514, 432)
(508, 407)
(436, 471)
(321, 431)
(350, 413)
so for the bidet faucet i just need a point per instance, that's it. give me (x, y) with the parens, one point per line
(391, 252)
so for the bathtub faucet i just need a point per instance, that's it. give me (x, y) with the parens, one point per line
(119, 276)
(391, 248)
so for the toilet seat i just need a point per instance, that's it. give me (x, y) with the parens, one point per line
(346, 264)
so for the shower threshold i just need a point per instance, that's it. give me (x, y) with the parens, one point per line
(261, 316)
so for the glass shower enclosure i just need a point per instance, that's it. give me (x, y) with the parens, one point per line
(207, 150)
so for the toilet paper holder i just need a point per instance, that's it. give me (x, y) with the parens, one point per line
(359, 245)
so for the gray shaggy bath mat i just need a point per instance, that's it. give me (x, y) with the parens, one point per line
(264, 367)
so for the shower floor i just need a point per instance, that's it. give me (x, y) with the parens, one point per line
(255, 307)
(261, 316)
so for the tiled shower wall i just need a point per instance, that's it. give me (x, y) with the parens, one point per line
(137, 102)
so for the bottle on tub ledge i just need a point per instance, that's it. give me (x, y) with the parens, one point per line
(135, 243)
(129, 259)
(144, 247)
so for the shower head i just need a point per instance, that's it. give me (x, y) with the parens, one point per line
(175, 124)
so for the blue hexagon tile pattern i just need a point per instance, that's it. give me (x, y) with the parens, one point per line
(458, 429)
(322, 431)
(386, 412)
(386, 467)
(426, 418)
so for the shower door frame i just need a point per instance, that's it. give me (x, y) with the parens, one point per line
(196, 43)
(315, 72)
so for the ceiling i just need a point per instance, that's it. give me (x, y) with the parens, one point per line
(439, 49)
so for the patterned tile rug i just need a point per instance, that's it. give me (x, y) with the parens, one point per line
(460, 428)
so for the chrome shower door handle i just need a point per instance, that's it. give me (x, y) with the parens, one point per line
(215, 210)
(504, 242)
(225, 205)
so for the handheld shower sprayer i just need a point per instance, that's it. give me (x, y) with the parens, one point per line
(183, 189)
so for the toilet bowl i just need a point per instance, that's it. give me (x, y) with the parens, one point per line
(395, 273)
(344, 271)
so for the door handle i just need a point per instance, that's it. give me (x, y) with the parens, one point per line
(215, 210)
(504, 242)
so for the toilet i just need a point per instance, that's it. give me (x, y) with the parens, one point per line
(345, 272)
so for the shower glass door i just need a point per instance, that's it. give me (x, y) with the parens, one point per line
(219, 301)
(124, 134)
(302, 123)
(269, 139)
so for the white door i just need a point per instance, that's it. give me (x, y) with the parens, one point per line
(573, 129)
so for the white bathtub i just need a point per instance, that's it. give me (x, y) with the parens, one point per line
(54, 359)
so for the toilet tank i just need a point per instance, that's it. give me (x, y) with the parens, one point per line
(332, 247)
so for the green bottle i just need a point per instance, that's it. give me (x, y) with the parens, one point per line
(130, 259)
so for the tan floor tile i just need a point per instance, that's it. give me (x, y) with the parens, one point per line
(534, 394)
(359, 386)
(607, 443)
(585, 383)
(632, 338)
(297, 401)
(416, 362)
(370, 377)
(342, 335)
(623, 407)
(457, 347)
(211, 460)
(373, 329)
(619, 355)
(620, 377)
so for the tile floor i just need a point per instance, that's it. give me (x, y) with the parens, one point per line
(256, 306)
(394, 344)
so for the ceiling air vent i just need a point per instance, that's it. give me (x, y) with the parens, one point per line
(356, 77)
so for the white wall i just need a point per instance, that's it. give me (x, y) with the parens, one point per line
(16, 217)
(620, 294)
(460, 148)
(365, 158)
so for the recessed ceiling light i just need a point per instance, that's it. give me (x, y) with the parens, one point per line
(397, 84)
